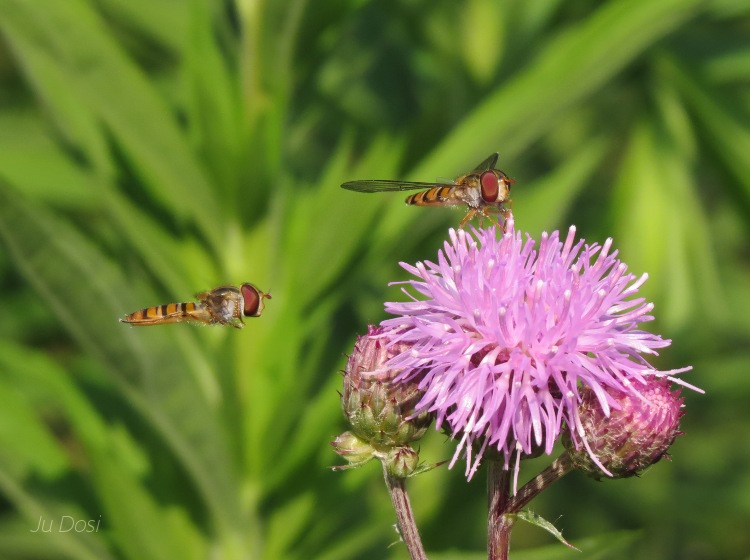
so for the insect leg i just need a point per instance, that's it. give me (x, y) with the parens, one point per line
(469, 216)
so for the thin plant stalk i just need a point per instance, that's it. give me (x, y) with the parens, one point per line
(499, 524)
(407, 526)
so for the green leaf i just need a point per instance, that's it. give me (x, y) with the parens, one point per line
(161, 252)
(539, 521)
(110, 87)
(725, 126)
(351, 544)
(163, 20)
(142, 528)
(27, 446)
(571, 66)
(50, 388)
(658, 222)
(484, 38)
(328, 255)
(213, 103)
(24, 143)
(288, 524)
(543, 204)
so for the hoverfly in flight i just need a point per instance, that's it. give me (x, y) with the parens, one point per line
(483, 190)
(226, 305)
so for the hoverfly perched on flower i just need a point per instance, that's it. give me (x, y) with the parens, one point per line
(483, 190)
(226, 305)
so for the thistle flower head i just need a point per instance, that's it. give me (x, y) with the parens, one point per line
(633, 437)
(502, 335)
(380, 412)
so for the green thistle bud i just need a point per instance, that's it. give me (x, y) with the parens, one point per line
(401, 462)
(353, 449)
(379, 412)
(631, 438)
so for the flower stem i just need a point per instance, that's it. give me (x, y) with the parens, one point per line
(406, 524)
(499, 525)
(559, 468)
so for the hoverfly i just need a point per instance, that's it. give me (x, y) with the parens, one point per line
(226, 305)
(483, 190)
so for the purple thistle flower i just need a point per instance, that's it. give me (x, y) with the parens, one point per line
(506, 334)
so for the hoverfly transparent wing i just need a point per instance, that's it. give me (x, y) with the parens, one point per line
(217, 296)
(488, 164)
(370, 186)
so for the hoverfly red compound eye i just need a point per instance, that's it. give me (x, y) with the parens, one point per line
(252, 299)
(490, 186)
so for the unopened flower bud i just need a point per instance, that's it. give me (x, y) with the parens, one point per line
(379, 412)
(401, 462)
(353, 449)
(633, 437)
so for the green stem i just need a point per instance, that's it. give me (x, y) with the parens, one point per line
(406, 523)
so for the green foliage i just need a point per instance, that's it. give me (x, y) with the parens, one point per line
(152, 149)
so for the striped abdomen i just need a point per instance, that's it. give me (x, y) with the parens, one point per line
(436, 196)
(167, 313)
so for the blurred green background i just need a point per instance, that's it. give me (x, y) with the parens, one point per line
(150, 149)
